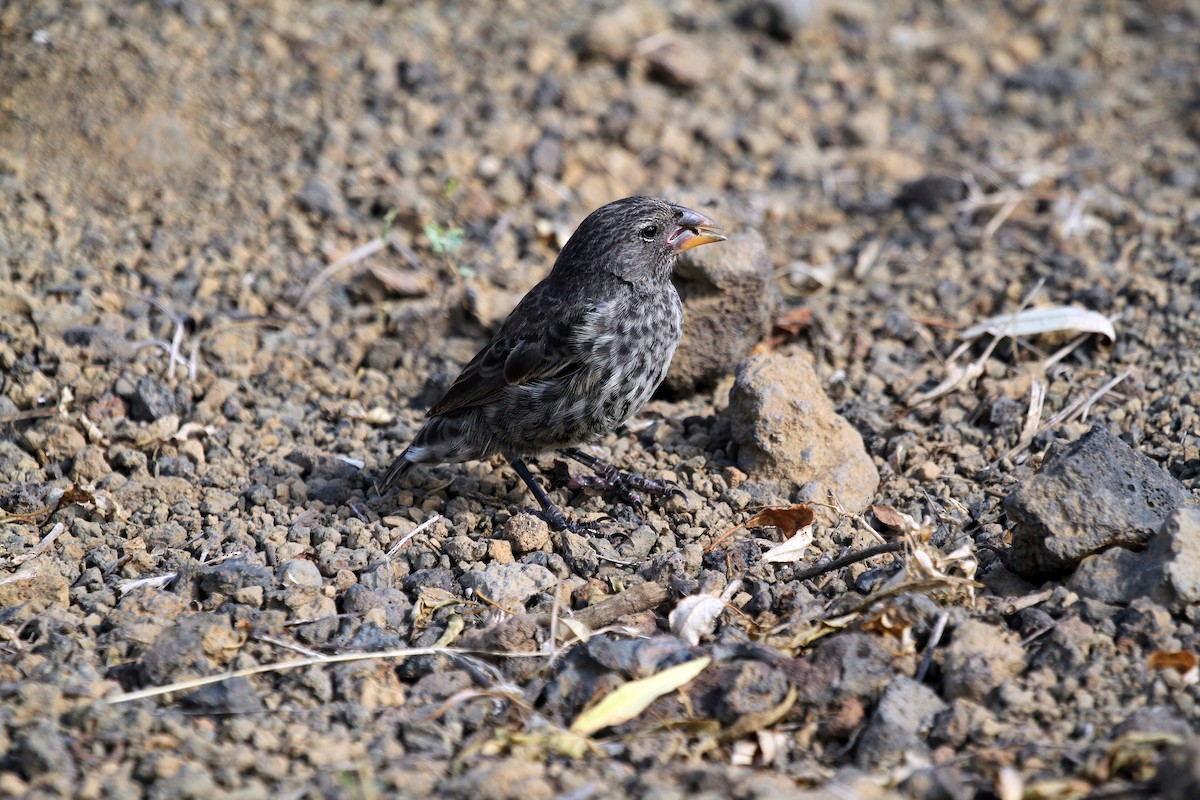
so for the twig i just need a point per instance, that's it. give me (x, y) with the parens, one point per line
(935, 637)
(424, 526)
(299, 648)
(1069, 412)
(32, 413)
(40, 547)
(281, 666)
(848, 559)
(1037, 400)
(155, 582)
(1028, 601)
(353, 257)
(634, 600)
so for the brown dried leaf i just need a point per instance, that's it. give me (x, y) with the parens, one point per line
(401, 283)
(790, 324)
(888, 623)
(788, 520)
(75, 495)
(1185, 662)
(888, 516)
(795, 320)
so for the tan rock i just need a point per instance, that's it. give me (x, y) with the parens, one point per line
(979, 659)
(729, 301)
(787, 433)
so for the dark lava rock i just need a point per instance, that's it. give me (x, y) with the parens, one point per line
(931, 192)
(509, 586)
(233, 696)
(900, 722)
(1178, 776)
(42, 748)
(229, 576)
(151, 400)
(193, 645)
(320, 197)
(1092, 495)
(853, 664)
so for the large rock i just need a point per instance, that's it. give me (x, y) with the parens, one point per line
(509, 586)
(979, 659)
(900, 723)
(787, 434)
(1178, 774)
(729, 302)
(1093, 495)
(1168, 571)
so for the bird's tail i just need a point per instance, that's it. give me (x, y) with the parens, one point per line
(396, 471)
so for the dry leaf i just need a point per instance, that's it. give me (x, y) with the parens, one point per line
(742, 753)
(1058, 789)
(190, 429)
(399, 282)
(627, 701)
(582, 632)
(898, 520)
(791, 549)
(1184, 662)
(791, 324)
(429, 600)
(956, 376)
(1044, 320)
(75, 495)
(788, 520)
(695, 616)
(1009, 784)
(379, 416)
(888, 623)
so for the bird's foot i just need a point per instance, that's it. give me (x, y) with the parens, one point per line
(557, 520)
(629, 486)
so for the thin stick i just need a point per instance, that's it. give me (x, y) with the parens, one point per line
(642, 597)
(40, 547)
(280, 666)
(1072, 410)
(848, 559)
(935, 637)
(353, 257)
(299, 648)
(424, 526)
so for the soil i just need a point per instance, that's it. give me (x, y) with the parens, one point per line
(202, 374)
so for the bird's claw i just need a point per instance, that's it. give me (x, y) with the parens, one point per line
(558, 521)
(631, 486)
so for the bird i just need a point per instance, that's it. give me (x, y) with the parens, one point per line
(580, 353)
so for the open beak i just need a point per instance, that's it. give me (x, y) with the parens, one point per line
(692, 229)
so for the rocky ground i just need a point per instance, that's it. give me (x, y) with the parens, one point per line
(244, 246)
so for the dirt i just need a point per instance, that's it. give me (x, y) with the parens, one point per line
(202, 375)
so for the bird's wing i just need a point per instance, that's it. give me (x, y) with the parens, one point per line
(539, 341)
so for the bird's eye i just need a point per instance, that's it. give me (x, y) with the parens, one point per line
(649, 232)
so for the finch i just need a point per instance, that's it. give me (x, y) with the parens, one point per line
(580, 354)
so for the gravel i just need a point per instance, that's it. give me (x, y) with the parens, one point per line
(202, 374)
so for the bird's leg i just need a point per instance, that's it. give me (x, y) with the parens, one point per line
(627, 484)
(551, 513)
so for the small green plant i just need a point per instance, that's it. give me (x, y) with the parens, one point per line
(388, 222)
(444, 240)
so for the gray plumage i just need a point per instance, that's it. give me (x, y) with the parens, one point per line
(581, 353)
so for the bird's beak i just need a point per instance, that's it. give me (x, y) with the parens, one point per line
(692, 229)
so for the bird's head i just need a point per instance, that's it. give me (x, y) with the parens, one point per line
(636, 238)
